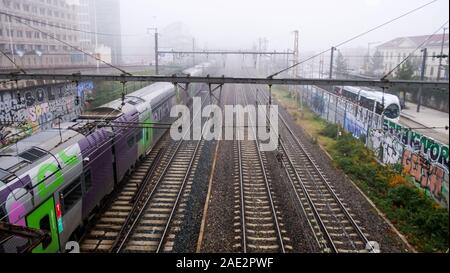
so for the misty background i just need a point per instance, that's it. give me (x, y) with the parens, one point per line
(232, 24)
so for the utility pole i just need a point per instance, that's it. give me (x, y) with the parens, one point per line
(156, 53)
(321, 67)
(295, 60)
(193, 49)
(441, 56)
(422, 77)
(156, 48)
(331, 61)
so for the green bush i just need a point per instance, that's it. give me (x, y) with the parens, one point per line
(330, 130)
(416, 215)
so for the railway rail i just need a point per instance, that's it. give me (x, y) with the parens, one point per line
(334, 227)
(260, 223)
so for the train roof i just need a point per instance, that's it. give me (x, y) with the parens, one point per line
(30, 151)
(154, 93)
(373, 94)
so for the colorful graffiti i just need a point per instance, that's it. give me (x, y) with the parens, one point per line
(31, 109)
(428, 175)
(424, 159)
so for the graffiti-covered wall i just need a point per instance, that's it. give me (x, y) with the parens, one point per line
(31, 109)
(424, 159)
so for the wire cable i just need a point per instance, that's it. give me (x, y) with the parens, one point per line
(353, 38)
(75, 48)
(66, 28)
(13, 62)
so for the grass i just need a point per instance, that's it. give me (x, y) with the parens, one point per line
(417, 216)
(309, 121)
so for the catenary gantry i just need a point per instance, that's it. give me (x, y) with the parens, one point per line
(226, 80)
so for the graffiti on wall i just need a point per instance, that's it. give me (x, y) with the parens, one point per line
(40, 107)
(422, 158)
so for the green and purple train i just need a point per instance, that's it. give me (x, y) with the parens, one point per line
(54, 179)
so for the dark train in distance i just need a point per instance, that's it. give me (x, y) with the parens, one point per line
(54, 180)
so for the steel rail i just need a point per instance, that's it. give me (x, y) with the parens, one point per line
(241, 183)
(327, 184)
(277, 225)
(121, 240)
(308, 197)
(175, 206)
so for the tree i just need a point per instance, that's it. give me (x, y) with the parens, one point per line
(407, 71)
(341, 64)
(375, 67)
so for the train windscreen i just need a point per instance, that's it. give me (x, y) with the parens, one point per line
(392, 111)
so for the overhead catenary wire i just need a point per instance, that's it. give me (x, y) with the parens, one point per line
(66, 28)
(353, 38)
(75, 48)
(412, 52)
(13, 62)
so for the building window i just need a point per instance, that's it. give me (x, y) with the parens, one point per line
(432, 71)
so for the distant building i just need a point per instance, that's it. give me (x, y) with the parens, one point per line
(29, 47)
(394, 51)
(104, 53)
(355, 58)
(107, 21)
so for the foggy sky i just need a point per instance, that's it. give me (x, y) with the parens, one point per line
(231, 24)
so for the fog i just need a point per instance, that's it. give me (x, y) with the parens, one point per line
(233, 24)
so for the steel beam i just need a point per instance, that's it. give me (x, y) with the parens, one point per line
(226, 80)
(214, 52)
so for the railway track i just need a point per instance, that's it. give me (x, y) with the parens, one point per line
(103, 233)
(334, 227)
(152, 227)
(258, 222)
(147, 218)
(148, 211)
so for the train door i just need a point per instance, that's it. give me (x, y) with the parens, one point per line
(44, 217)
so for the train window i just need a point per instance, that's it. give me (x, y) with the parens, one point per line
(87, 180)
(379, 108)
(367, 103)
(70, 195)
(44, 224)
(2, 212)
(392, 111)
(139, 135)
(130, 141)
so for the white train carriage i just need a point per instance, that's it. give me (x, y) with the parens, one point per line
(374, 100)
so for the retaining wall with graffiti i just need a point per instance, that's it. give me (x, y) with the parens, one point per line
(422, 158)
(25, 111)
